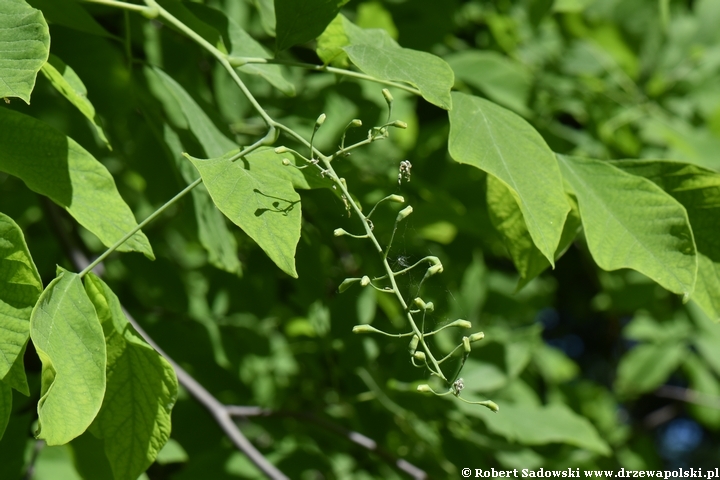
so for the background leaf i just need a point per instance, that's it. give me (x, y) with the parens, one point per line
(501, 143)
(69, 340)
(300, 22)
(5, 406)
(647, 366)
(141, 390)
(25, 43)
(58, 167)
(266, 207)
(67, 82)
(21, 288)
(614, 208)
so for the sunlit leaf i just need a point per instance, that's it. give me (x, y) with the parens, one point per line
(58, 167)
(69, 340)
(647, 366)
(141, 390)
(501, 143)
(265, 206)
(21, 288)
(630, 222)
(25, 43)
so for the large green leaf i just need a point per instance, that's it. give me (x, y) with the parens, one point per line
(501, 143)
(213, 233)
(67, 82)
(299, 22)
(25, 45)
(630, 222)
(265, 206)
(58, 167)
(647, 366)
(20, 288)
(377, 54)
(69, 340)
(698, 190)
(507, 218)
(5, 406)
(240, 44)
(141, 390)
(71, 14)
(502, 79)
(554, 423)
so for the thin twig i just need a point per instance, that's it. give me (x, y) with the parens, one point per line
(355, 437)
(688, 396)
(219, 411)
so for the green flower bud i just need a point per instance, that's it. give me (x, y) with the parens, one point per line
(388, 96)
(404, 213)
(413, 344)
(365, 281)
(364, 329)
(461, 324)
(347, 283)
(434, 269)
(320, 120)
(476, 336)
(281, 150)
(355, 123)
(419, 302)
(466, 344)
(399, 124)
(491, 405)
(396, 198)
(420, 356)
(424, 388)
(339, 232)
(285, 162)
(430, 307)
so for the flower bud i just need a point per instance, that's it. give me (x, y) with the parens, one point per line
(339, 232)
(419, 302)
(320, 120)
(476, 336)
(399, 124)
(365, 281)
(285, 162)
(424, 388)
(356, 122)
(388, 96)
(461, 324)
(396, 198)
(347, 283)
(364, 329)
(420, 356)
(430, 307)
(466, 344)
(491, 405)
(281, 150)
(434, 269)
(404, 213)
(413, 344)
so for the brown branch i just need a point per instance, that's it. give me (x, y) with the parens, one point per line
(355, 437)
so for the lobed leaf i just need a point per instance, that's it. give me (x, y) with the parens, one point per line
(67, 82)
(69, 340)
(299, 22)
(58, 167)
(142, 388)
(630, 222)
(25, 43)
(20, 288)
(265, 206)
(501, 143)
(698, 190)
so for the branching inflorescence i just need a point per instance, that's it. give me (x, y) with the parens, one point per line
(420, 353)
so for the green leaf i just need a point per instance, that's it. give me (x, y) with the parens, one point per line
(266, 9)
(698, 190)
(141, 390)
(428, 73)
(20, 288)
(25, 43)
(554, 365)
(502, 79)
(501, 143)
(69, 13)
(554, 423)
(265, 206)
(507, 218)
(702, 380)
(240, 44)
(5, 406)
(69, 340)
(66, 81)
(647, 366)
(213, 141)
(213, 233)
(300, 22)
(58, 167)
(630, 222)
